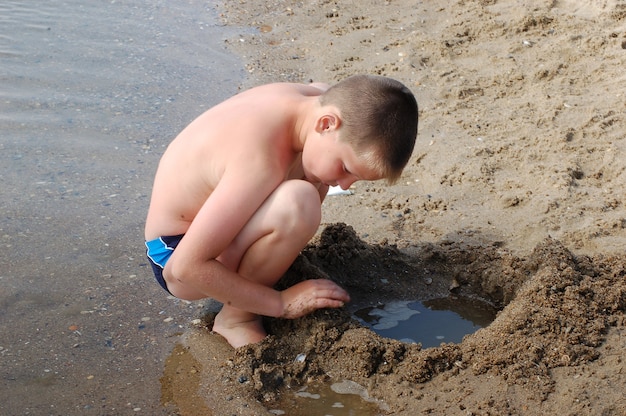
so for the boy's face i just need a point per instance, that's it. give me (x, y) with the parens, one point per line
(330, 161)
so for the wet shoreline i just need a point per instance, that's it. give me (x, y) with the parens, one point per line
(91, 96)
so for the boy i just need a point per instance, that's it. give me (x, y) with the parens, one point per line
(238, 193)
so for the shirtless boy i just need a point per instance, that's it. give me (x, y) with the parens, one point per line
(238, 193)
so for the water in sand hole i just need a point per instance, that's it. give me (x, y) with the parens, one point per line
(429, 322)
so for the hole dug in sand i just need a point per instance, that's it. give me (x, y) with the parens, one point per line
(428, 322)
(555, 310)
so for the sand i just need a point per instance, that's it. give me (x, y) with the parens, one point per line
(515, 194)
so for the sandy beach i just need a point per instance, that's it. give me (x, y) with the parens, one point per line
(515, 194)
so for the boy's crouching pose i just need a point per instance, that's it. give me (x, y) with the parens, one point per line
(238, 193)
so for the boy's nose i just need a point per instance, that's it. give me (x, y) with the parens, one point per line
(345, 183)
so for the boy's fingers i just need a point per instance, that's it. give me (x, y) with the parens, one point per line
(330, 296)
(335, 304)
(310, 295)
(331, 290)
(341, 295)
(333, 297)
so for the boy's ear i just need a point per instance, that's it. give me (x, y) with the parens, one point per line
(328, 122)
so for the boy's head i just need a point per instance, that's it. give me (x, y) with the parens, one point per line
(378, 119)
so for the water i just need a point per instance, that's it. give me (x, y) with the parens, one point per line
(90, 94)
(344, 398)
(429, 322)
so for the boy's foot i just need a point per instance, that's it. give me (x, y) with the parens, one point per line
(239, 330)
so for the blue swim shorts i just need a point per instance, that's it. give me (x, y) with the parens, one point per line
(159, 252)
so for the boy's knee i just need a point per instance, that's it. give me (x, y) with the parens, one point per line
(299, 205)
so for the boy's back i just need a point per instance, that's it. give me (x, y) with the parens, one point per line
(249, 135)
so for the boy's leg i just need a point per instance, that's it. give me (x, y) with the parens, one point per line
(264, 250)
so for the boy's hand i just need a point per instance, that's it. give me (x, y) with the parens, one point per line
(305, 297)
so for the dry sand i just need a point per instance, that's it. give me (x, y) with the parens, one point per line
(515, 193)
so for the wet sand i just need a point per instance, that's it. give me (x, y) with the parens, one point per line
(90, 94)
(515, 194)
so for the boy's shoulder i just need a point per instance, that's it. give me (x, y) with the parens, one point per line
(287, 88)
(322, 86)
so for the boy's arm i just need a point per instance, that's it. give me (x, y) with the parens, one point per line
(222, 217)
(301, 299)
(193, 265)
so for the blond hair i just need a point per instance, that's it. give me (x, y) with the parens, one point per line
(379, 119)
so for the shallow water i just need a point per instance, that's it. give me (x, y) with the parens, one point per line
(428, 322)
(344, 398)
(90, 94)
